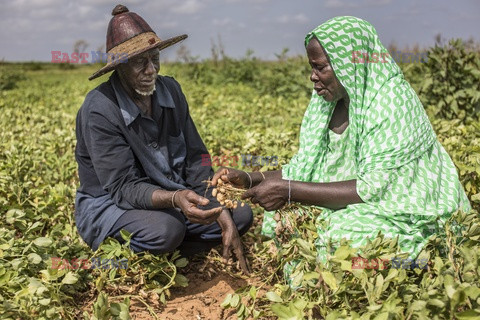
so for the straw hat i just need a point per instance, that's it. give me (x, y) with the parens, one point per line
(128, 35)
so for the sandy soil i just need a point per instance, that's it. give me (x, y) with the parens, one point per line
(200, 300)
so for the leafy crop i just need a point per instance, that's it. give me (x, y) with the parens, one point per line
(241, 106)
(37, 187)
(450, 87)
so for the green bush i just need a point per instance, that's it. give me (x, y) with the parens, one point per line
(9, 79)
(451, 83)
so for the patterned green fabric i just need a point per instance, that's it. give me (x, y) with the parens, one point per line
(405, 177)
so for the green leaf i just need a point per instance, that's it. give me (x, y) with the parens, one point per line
(13, 214)
(273, 296)
(226, 301)
(240, 311)
(34, 258)
(329, 279)
(297, 280)
(235, 300)
(475, 197)
(468, 315)
(253, 292)
(418, 305)
(125, 235)
(449, 283)
(181, 280)
(43, 242)
(436, 302)
(382, 316)
(182, 262)
(472, 292)
(70, 278)
(311, 275)
(342, 253)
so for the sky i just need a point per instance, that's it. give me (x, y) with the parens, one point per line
(31, 29)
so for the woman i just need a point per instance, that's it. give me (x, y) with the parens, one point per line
(368, 154)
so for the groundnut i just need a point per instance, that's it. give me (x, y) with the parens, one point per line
(214, 192)
(242, 204)
(277, 217)
(279, 228)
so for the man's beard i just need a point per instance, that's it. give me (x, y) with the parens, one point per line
(146, 93)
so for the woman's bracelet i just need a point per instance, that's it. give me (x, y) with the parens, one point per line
(173, 198)
(249, 178)
(289, 192)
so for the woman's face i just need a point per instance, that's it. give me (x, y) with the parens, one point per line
(324, 80)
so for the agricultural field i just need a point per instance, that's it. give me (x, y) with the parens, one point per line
(241, 106)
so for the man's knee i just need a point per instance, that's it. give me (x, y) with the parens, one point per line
(155, 231)
(164, 238)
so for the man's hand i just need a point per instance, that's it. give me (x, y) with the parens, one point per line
(237, 178)
(188, 200)
(271, 194)
(231, 241)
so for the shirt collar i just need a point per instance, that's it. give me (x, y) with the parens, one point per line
(130, 111)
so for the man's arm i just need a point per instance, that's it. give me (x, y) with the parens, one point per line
(114, 163)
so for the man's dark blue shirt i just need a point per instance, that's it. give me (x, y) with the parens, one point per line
(124, 155)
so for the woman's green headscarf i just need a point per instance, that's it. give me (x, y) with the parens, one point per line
(406, 179)
(388, 122)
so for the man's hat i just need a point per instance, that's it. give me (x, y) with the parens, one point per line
(128, 35)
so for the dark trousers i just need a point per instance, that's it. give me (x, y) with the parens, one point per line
(162, 231)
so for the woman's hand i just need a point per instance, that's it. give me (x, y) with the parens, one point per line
(237, 178)
(188, 200)
(271, 194)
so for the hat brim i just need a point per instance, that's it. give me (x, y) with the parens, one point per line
(111, 65)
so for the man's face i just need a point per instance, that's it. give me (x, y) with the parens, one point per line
(140, 73)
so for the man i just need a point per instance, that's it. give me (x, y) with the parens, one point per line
(139, 156)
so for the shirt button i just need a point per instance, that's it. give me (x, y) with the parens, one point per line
(154, 145)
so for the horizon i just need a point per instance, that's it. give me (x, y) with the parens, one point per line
(31, 29)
